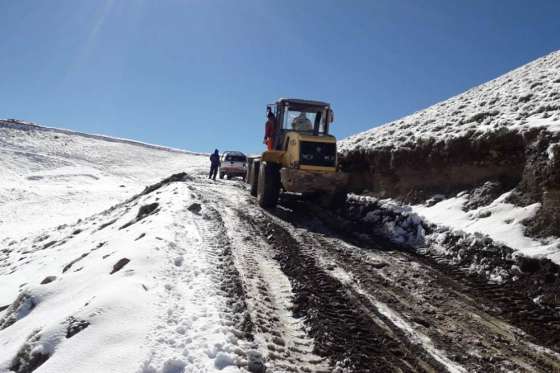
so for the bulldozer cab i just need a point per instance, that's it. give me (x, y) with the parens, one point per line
(307, 117)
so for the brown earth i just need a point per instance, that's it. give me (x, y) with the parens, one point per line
(507, 158)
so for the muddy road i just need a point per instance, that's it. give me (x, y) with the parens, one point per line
(321, 300)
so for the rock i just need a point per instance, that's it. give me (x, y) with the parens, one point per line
(255, 362)
(421, 321)
(143, 212)
(20, 308)
(118, 265)
(48, 279)
(528, 265)
(75, 326)
(378, 265)
(30, 356)
(178, 261)
(195, 208)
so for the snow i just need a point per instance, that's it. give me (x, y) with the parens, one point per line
(501, 221)
(135, 312)
(102, 275)
(64, 219)
(52, 176)
(552, 150)
(519, 100)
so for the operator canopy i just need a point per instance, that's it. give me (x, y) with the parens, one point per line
(306, 116)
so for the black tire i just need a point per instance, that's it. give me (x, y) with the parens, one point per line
(228, 176)
(268, 188)
(334, 200)
(221, 175)
(254, 178)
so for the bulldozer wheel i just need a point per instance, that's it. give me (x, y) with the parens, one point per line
(333, 200)
(268, 188)
(254, 178)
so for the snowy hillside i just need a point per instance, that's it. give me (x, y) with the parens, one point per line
(51, 177)
(108, 263)
(484, 161)
(526, 97)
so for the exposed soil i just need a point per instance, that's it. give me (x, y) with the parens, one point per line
(485, 165)
(340, 323)
(372, 306)
(428, 167)
(529, 298)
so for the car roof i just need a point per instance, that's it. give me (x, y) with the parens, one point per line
(233, 152)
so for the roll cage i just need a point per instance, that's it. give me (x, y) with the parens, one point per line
(319, 113)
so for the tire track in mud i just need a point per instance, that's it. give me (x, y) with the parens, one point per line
(345, 329)
(516, 302)
(453, 322)
(434, 304)
(395, 312)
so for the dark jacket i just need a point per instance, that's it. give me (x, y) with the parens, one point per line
(215, 159)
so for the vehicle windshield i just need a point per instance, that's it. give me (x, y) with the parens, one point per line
(235, 158)
(304, 121)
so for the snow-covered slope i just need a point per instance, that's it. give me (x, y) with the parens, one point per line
(484, 161)
(85, 247)
(526, 97)
(125, 290)
(52, 177)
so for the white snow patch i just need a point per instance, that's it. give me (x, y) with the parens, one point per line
(501, 221)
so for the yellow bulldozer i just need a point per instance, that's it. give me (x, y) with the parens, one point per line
(303, 158)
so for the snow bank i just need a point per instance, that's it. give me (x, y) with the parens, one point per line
(501, 221)
(471, 240)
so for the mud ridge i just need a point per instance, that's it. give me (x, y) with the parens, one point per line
(528, 299)
(338, 321)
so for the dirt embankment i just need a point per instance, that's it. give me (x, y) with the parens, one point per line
(528, 161)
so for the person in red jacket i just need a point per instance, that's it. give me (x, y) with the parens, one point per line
(270, 130)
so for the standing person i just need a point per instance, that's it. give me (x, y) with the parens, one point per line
(269, 130)
(214, 164)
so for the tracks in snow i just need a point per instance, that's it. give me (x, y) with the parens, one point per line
(203, 321)
(277, 289)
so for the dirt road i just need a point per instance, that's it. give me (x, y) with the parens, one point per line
(317, 301)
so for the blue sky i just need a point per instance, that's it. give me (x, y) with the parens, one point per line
(197, 74)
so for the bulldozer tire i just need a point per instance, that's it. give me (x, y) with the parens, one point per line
(333, 200)
(268, 188)
(254, 178)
